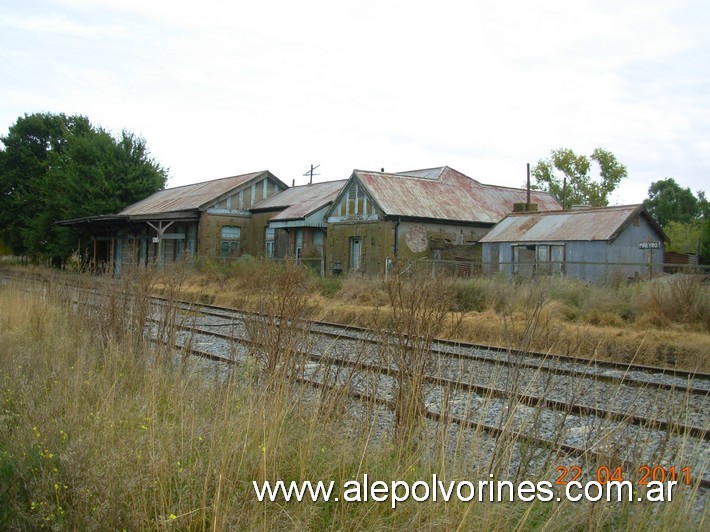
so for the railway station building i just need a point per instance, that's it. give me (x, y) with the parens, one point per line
(355, 226)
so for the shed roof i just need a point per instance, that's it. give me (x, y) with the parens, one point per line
(299, 202)
(603, 223)
(445, 194)
(191, 197)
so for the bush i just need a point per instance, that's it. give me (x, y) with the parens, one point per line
(681, 298)
(363, 291)
(330, 286)
(469, 296)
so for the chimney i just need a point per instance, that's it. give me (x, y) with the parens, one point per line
(527, 199)
(521, 206)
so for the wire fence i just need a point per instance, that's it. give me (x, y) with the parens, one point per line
(599, 271)
(588, 270)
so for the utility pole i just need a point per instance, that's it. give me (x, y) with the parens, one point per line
(564, 192)
(311, 174)
(527, 199)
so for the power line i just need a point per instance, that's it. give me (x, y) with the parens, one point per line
(311, 174)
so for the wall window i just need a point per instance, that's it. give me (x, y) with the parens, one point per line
(270, 237)
(557, 259)
(319, 240)
(299, 244)
(230, 241)
(539, 259)
(351, 207)
(355, 252)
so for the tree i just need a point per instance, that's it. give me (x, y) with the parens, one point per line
(30, 144)
(668, 202)
(56, 167)
(704, 247)
(683, 236)
(566, 176)
(685, 217)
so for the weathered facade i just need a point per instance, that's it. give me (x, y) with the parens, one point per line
(210, 219)
(592, 244)
(435, 213)
(358, 226)
(294, 222)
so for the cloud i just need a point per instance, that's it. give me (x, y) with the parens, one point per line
(219, 88)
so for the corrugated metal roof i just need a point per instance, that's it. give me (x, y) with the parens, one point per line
(303, 200)
(189, 197)
(425, 173)
(584, 225)
(323, 196)
(449, 196)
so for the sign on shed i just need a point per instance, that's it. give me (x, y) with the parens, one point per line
(649, 245)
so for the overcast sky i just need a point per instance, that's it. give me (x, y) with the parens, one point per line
(219, 88)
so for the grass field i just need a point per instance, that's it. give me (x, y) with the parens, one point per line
(100, 429)
(662, 323)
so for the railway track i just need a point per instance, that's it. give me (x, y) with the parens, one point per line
(454, 379)
(690, 389)
(484, 390)
(644, 376)
(362, 372)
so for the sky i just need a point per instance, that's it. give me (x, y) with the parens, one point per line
(221, 88)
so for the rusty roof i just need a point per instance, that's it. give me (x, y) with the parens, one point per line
(602, 223)
(299, 202)
(445, 194)
(191, 197)
(425, 173)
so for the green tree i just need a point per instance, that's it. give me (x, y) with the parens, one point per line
(668, 202)
(567, 176)
(55, 167)
(31, 144)
(683, 236)
(704, 247)
(685, 217)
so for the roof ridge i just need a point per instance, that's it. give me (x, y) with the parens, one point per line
(216, 179)
(321, 183)
(577, 211)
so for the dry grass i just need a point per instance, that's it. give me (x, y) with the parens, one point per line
(101, 431)
(278, 330)
(419, 313)
(665, 322)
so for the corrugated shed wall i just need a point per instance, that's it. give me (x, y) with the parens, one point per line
(619, 257)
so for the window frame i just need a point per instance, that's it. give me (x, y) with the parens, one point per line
(230, 241)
